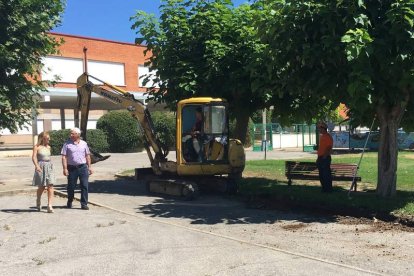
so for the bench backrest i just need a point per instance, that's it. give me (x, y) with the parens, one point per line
(310, 168)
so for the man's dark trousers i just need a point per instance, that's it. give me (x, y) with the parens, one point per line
(325, 176)
(82, 173)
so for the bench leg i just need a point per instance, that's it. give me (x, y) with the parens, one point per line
(355, 185)
(289, 181)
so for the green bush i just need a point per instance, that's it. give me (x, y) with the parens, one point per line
(165, 127)
(121, 130)
(96, 140)
(57, 139)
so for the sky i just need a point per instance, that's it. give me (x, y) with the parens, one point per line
(106, 19)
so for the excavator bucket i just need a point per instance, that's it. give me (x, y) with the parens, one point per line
(97, 157)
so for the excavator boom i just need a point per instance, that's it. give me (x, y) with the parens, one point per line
(137, 109)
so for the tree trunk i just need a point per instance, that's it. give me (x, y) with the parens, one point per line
(389, 120)
(387, 157)
(242, 121)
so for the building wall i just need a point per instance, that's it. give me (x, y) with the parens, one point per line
(130, 55)
(62, 96)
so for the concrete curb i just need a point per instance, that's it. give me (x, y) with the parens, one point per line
(15, 153)
(17, 191)
(56, 193)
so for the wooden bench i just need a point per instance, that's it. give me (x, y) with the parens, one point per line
(309, 171)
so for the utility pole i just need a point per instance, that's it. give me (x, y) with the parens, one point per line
(34, 126)
(264, 138)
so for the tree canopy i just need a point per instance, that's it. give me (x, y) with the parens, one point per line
(355, 52)
(23, 43)
(303, 57)
(205, 48)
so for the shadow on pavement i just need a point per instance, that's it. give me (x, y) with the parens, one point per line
(118, 186)
(32, 209)
(210, 208)
(216, 209)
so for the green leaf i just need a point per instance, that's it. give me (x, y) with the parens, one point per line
(24, 41)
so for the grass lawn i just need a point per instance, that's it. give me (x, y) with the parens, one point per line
(267, 177)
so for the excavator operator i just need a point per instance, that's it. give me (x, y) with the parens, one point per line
(193, 151)
(196, 133)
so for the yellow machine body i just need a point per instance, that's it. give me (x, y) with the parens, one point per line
(220, 155)
(206, 152)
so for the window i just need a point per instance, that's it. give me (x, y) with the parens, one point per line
(218, 120)
(56, 124)
(143, 72)
(206, 141)
(61, 69)
(110, 72)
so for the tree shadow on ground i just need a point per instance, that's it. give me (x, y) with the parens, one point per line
(121, 186)
(273, 194)
(218, 209)
(260, 200)
(211, 207)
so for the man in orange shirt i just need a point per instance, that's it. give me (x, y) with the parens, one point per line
(324, 157)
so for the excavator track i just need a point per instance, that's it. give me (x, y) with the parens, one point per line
(167, 184)
(187, 188)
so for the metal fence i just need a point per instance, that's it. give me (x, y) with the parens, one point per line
(273, 136)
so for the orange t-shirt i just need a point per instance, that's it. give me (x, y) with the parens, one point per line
(325, 145)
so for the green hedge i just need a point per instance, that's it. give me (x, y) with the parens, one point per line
(165, 127)
(96, 140)
(121, 130)
(57, 139)
(125, 135)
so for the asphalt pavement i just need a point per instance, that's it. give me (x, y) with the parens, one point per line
(128, 232)
(16, 167)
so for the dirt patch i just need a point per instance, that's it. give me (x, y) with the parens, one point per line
(349, 216)
(409, 156)
(376, 225)
(294, 227)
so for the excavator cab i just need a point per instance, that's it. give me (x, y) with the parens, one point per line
(203, 143)
(204, 132)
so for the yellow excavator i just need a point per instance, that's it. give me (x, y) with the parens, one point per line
(205, 155)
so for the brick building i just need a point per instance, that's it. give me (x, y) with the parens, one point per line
(117, 63)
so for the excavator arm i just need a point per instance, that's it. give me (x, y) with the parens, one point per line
(137, 109)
